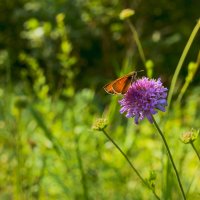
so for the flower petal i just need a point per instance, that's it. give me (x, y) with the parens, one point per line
(149, 117)
(143, 98)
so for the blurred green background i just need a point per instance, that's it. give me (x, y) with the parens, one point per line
(55, 57)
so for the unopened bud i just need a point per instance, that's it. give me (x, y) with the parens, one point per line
(189, 136)
(126, 13)
(100, 124)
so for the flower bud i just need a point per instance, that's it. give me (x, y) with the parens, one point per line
(126, 13)
(189, 136)
(100, 124)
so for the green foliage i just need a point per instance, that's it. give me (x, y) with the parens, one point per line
(55, 56)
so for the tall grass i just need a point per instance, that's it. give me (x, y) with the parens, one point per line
(49, 151)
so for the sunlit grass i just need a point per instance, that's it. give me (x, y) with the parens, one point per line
(50, 151)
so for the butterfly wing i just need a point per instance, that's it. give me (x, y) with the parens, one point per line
(109, 89)
(121, 85)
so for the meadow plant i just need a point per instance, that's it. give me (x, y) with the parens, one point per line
(100, 125)
(47, 150)
(145, 97)
(142, 100)
(188, 137)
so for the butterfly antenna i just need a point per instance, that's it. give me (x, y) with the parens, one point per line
(140, 71)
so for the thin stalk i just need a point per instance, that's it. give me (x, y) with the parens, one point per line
(19, 191)
(138, 43)
(189, 79)
(170, 157)
(129, 162)
(195, 150)
(80, 163)
(181, 61)
(19, 157)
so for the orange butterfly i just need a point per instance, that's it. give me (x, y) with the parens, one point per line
(120, 85)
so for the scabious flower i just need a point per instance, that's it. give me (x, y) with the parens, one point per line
(143, 99)
(189, 136)
(100, 124)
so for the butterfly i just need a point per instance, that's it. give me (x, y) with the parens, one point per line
(121, 85)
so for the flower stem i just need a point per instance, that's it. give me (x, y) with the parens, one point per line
(129, 162)
(189, 78)
(181, 61)
(195, 150)
(80, 163)
(138, 43)
(170, 157)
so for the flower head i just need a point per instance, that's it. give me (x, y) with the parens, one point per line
(100, 124)
(189, 136)
(126, 13)
(143, 99)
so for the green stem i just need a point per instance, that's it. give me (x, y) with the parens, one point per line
(129, 162)
(181, 61)
(138, 43)
(83, 177)
(195, 149)
(189, 79)
(19, 157)
(170, 157)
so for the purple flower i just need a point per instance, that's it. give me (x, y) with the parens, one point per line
(143, 99)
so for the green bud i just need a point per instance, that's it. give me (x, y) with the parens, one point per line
(100, 124)
(126, 13)
(60, 17)
(149, 66)
(192, 66)
(151, 180)
(189, 136)
(152, 175)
